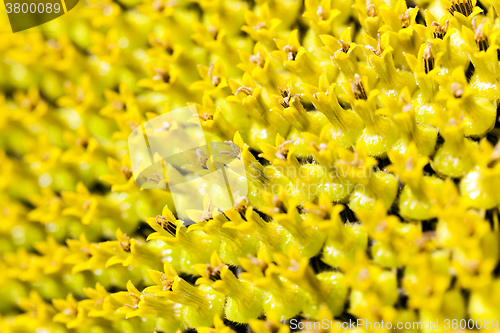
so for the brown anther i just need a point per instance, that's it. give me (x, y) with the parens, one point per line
(205, 116)
(464, 7)
(321, 14)
(213, 272)
(257, 59)
(246, 90)
(292, 53)
(46, 156)
(457, 90)
(126, 172)
(161, 220)
(166, 224)
(344, 45)
(161, 75)
(439, 30)
(216, 80)
(279, 206)
(481, 39)
(286, 94)
(405, 19)
(357, 88)
(202, 159)
(370, 9)
(428, 58)
(125, 245)
(213, 31)
(166, 284)
(241, 204)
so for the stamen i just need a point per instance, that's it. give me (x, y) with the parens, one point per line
(215, 79)
(344, 45)
(165, 126)
(125, 245)
(166, 224)
(357, 88)
(166, 283)
(457, 90)
(282, 152)
(464, 7)
(161, 75)
(428, 58)
(481, 39)
(207, 214)
(280, 208)
(246, 90)
(257, 59)
(321, 13)
(126, 172)
(213, 31)
(260, 25)
(214, 272)
(439, 30)
(292, 53)
(370, 9)
(205, 116)
(286, 94)
(202, 159)
(258, 262)
(405, 19)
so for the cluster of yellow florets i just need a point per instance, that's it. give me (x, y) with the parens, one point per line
(368, 130)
